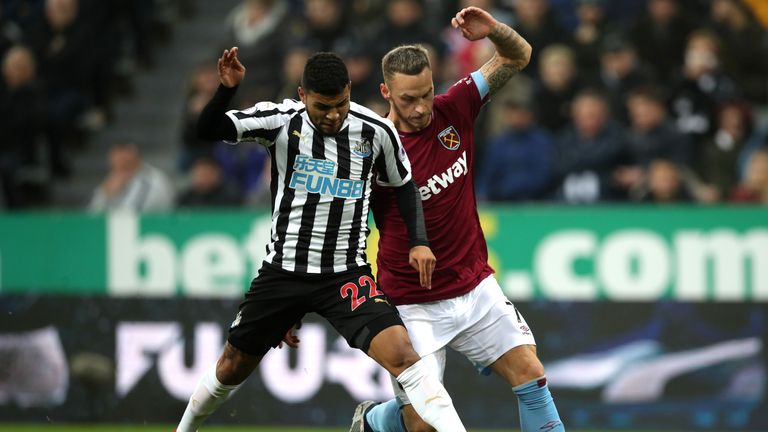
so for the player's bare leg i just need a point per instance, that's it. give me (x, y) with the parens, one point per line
(232, 368)
(519, 365)
(392, 349)
(414, 423)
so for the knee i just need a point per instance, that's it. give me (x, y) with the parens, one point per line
(519, 366)
(399, 359)
(234, 366)
(529, 370)
(392, 349)
(404, 358)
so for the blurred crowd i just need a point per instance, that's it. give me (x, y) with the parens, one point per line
(64, 64)
(653, 101)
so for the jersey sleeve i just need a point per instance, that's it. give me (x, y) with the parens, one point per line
(467, 96)
(392, 164)
(263, 121)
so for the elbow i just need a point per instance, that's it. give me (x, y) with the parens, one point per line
(521, 57)
(527, 52)
(201, 130)
(525, 56)
(204, 134)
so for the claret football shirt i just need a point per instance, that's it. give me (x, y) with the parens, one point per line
(442, 157)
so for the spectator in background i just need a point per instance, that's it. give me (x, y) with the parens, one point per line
(745, 47)
(660, 37)
(323, 24)
(258, 29)
(652, 136)
(22, 119)
(537, 24)
(65, 65)
(10, 32)
(754, 187)
(363, 72)
(701, 88)
(722, 155)
(556, 87)
(518, 164)
(404, 24)
(665, 184)
(591, 30)
(248, 167)
(25, 14)
(620, 72)
(589, 150)
(208, 188)
(132, 184)
(293, 67)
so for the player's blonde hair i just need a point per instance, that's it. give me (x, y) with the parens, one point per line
(405, 59)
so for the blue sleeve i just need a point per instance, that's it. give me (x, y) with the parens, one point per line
(481, 83)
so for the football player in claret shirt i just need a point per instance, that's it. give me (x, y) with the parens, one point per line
(465, 309)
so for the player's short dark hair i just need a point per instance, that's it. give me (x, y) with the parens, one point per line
(405, 59)
(325, 73)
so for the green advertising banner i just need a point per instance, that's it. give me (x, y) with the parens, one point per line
(563, 253)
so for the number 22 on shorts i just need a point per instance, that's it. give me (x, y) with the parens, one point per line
(353, 289)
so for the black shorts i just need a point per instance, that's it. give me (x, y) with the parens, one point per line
(278, 299)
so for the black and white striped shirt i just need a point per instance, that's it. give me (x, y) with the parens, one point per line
(321, 184)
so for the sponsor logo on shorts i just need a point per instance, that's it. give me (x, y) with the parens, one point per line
(236, 322)
(525, 330)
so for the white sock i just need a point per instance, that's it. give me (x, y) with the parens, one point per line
(208, 395)
(430, 399)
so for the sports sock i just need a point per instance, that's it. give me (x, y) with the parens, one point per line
(430, 399)
(386, 417)
(208, 395)
(537, 409)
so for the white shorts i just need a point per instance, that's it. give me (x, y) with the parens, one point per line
(481, 324)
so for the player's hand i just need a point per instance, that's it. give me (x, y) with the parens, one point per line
(231, 71)
(474, 23)
(422, 259)
(290, 337)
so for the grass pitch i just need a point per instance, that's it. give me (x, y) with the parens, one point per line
(47, 427)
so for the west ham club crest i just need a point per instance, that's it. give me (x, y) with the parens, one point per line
(449, 138)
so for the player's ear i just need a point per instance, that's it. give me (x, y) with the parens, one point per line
(302, 96)
(384, 91)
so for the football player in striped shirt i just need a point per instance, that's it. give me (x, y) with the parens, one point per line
(324, 149)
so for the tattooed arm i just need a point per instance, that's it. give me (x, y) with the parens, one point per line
(512, 51)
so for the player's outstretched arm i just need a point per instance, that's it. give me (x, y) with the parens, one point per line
(512, 51)
(213, 124)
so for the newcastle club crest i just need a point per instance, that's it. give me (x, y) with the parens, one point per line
(363, 148)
